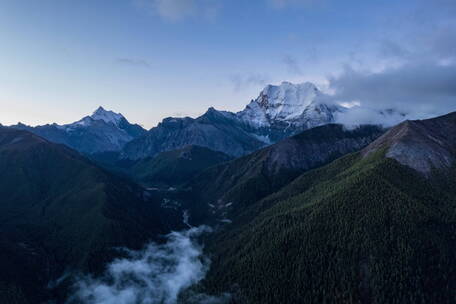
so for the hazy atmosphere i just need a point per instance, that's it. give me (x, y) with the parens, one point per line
(227, 151)
(150, 59)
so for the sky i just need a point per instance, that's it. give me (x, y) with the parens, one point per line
(150, 59)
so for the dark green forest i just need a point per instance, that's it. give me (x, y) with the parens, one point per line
(355, 231)
(60, 212)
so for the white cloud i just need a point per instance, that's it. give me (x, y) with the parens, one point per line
(176, 10)
(285, 3)
(413, 91)
(158, 274)
(292, 64)
(244, 81)
(135, 62)
(359, 115)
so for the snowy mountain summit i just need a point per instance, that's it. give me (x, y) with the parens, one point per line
(278, 112)
(100, 132)
(100, 114)
(299, 105)
(107, 116)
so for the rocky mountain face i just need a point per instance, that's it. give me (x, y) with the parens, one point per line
(216, 130)
(100, 132)
(278, 112)
(288, 109)
(423, 145)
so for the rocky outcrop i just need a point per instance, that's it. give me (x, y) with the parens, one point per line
(423, 145)
(317, 146)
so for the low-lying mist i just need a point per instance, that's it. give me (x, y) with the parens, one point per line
(158, 273)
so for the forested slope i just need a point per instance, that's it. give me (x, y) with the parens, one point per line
(59, 212)
(356, 231)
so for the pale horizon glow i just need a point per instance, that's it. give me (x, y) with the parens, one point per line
(150, 59)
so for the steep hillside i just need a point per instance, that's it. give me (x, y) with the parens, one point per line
(245, 180)
(363, 229)
(173, 168)
(423, 145)
(59, 212)
(356, 231)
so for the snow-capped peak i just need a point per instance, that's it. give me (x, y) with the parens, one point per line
(286, 101)
(106, 116)
(296, 104)
(100, 114)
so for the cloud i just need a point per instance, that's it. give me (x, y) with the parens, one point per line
(390, 49)
(436, 42)
(361, 115)
(158, 274)
(443, 41)
(416, 69)
(284, 3)
(416, 77)
(241, 82)
(427, 32)
(133, 62)
(413, 91)
(292, 64)
(176, 10)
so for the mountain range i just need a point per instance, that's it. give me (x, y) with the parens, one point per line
(374, 226)
(303, 210)
(100, 132)
(278, 112)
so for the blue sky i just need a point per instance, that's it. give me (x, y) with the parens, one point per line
(148, 59)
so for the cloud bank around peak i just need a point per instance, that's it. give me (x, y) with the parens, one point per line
(414, 91)
(410, 72)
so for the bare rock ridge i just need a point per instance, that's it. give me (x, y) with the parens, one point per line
(423, 145)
